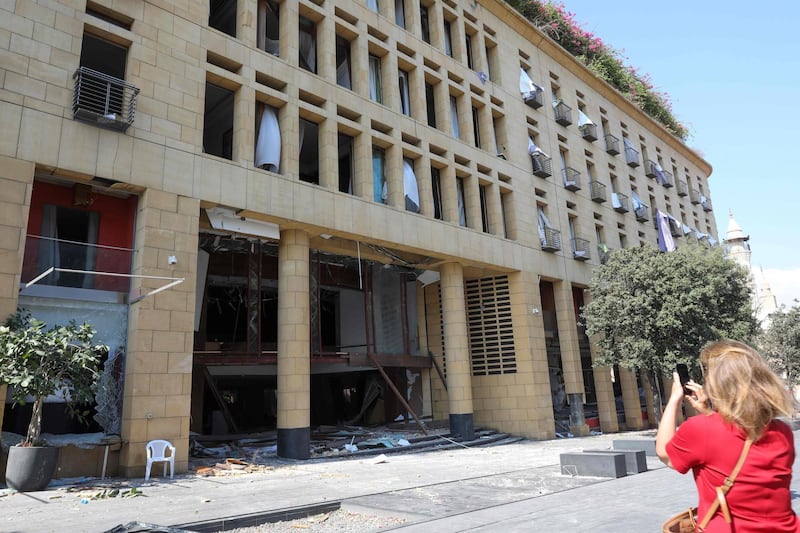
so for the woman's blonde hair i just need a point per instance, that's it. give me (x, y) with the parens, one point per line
(742, 387)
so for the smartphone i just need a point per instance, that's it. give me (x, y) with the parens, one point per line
(683, 375)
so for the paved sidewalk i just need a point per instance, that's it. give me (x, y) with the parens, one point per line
(509, 488)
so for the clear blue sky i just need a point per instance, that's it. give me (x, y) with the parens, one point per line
(732, 71)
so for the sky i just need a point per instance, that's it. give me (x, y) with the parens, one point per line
(732, 72)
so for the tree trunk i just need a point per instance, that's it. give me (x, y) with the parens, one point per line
(35, 427)
(655, 387)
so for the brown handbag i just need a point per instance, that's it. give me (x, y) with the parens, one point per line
(686, 522)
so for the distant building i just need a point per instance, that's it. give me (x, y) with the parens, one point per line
(737, 246)
(263, 204)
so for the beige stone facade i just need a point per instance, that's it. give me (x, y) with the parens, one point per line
(404, 150)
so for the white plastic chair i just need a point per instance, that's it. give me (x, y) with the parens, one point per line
(157, 453)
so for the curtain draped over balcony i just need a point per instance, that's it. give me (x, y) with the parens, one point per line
(410, 186)
(615, 201)
(665, 241)
(543, 223)
(526, 85)
(583, 120)
(268, 143)
(636, 201)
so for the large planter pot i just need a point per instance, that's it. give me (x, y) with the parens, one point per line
(30, 468)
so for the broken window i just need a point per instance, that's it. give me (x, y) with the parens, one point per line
(436, 185)
(430, 102)
(454, 117)
(343, 62)
(269, 26)
(218, 122)
(66, 233)
(309, 152)
(268, 138)
(400, 13)
(468, 43)
(379, 192)
(308, 45)
(222, 16)
(484, 208)
(424, 17)
(476, 126)
(375, 85)
(410, 187)
(448, 41)
(405, 104)
(462, 202)
(346, 143)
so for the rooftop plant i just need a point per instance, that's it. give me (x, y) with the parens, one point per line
(606, 62)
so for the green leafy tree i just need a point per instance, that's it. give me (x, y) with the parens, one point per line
(780, 343)
(651, 310)
(36, 362)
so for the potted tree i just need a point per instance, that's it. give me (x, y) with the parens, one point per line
(36, 362)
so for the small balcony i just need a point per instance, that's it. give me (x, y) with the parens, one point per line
(534, 99)
(551, 239)
(642, 213)
(632, 156)
(542, 165)
(694, 196)
(603, 252)
(598, 191)
(572, 179)
(651, 169)
(612, 144)
(563, 113)
(666, 179)
(589, 132)
(675, 228)
(705, 203)
(103, 100)
(683, 188)
(580, 249)
(619, 202)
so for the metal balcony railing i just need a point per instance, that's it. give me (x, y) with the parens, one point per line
(598, 191)
(580, 249)
(103, 100)
(683, 188)
(572, 179)
(666, 179)
(632, 156)
(694, 196)
(642, 213)
(612, 144)
(619, 202)
(534, 99)
(542, 165)
(563, 113)
(589, 132)
(551, 239)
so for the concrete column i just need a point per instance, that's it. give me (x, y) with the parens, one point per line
(456, 349)
(326, 48)
(294, 357)
(329, 151)
(472, 201)
(359, 65)
(395, 190)
(247, 20)
(362, 161)
(289, 119)
(436, 25)
(630, 400)
(570, 356)
(290, 33)
(158, 362)
(447, 180)
(244, 123)
(16, 182)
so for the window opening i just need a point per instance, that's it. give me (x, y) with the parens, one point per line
(436, 185)
(218, 122)
(468, 43)
(269, 26)
(268, 138)
(484, 208)
(425, 23)
(462, 202)
(343, 62)
(222, 16)
(379, 192)
(430, 103)
(375, 86)
(448, 42)
(308, 45)
(405, 104)
(410, 187)
(346, 144)
(476, 127)
(454, 117)
(309, 152)
(400, 13)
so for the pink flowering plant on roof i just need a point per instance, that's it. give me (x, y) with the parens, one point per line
(560, 25)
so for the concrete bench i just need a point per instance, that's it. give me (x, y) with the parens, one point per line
(648, 445)
(635, 460)
(593, 464)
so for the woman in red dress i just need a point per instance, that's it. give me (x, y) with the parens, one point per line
(741, 399)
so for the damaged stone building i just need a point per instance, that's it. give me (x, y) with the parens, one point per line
(281, 214)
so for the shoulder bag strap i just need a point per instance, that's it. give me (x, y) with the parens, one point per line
(723, 489)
